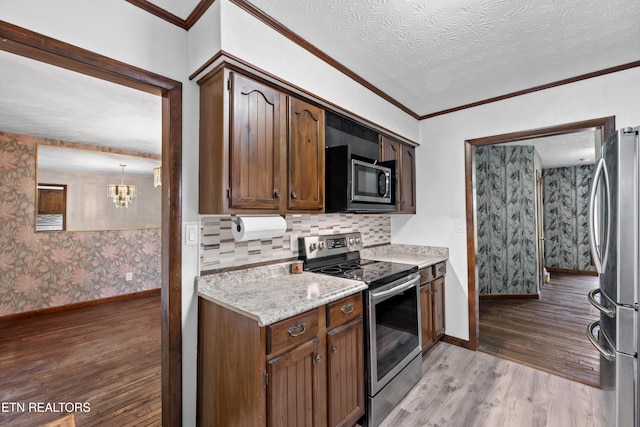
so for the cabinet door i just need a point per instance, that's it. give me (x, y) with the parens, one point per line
(389, 149)
(52, 201)
(306, 156)
(407, 179)
(294, 384)
(345, 374)
(438, 308)
(426, 313)
(256, 144)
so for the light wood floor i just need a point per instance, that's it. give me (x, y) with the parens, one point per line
(463, 388)
(548, 333)
(106, 355)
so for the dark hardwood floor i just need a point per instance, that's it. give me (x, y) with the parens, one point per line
(106, 356)
(548, 333)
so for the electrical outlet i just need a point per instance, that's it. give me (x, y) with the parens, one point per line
(129, 276)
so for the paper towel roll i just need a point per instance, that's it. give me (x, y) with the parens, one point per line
(258, 227)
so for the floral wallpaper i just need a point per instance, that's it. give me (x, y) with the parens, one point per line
(50, 269)
(506, 220)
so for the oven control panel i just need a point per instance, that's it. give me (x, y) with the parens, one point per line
(331, 244)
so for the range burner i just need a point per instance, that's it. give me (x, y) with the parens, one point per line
(339, 256)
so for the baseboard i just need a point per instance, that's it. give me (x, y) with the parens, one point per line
(75, 306)
(508, 296)
(569, 271)
(456, 341)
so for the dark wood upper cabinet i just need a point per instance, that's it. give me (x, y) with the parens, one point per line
(404, 155)
(256, 154)
(407, 178)
(256, 143)
(306, 156)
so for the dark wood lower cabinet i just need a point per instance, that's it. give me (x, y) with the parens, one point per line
(281, 375)
(432, 305)
(345, 374)
(293, 387)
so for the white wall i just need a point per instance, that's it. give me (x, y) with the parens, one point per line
(89, 208)
(440, 163)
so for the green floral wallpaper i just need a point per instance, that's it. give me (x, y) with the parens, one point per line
(41, 270)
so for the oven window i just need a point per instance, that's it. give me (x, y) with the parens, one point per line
(396, 329)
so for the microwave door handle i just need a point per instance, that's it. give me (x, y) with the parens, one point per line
(601, 170)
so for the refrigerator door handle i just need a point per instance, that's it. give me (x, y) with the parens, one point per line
(604, 310)
(599, 261)
(606, 354)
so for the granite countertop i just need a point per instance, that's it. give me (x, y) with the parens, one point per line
(422, 256)
(271, 293)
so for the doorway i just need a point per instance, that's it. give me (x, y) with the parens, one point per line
(604, 126)
(42, 48)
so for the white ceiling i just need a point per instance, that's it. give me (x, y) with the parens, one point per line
(47, 101)
(572, 149)
(66, 159)
(440, 54)
(429, 56)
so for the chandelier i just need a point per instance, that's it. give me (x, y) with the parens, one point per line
(122, 194)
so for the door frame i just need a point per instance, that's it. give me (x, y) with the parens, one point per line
(39, 47)
(607, 126)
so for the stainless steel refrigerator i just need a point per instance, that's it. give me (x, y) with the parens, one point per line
(613, 236)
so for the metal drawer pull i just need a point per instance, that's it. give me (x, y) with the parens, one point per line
(298, 329)
(347, 308)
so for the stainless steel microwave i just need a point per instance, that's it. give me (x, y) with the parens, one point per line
(358, 184)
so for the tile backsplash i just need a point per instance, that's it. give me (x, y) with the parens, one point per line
(219, 250)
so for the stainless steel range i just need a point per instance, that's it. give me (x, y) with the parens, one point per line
(393, 340)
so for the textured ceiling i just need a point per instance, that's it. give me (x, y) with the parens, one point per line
(429, 56)
(571, 149)
(440, 54)
(180, 8)
(44, 100)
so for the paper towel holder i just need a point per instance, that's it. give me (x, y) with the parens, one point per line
(235, 218)
(257, 227)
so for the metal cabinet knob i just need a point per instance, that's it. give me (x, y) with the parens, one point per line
(334, 349)
(276, 193)
(318, 358)
(293, 195)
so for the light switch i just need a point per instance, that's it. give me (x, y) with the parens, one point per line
(191, 233)
(459, 226)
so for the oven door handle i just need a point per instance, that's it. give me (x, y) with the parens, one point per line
(395, 290)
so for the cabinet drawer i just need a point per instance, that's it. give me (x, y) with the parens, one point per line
(293, 331)
(342, 311)
(440, 269)
(426, 275)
